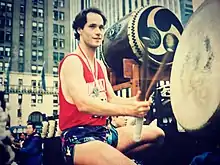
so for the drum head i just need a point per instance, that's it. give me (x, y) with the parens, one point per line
(161, 26)
(195, 77)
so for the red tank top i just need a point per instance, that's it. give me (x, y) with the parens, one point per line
(69, 115)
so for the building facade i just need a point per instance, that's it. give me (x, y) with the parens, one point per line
(34, 33)
(186, 9)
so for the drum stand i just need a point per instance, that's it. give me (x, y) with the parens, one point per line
(131, 70)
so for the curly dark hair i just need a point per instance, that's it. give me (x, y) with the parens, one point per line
(81, 19)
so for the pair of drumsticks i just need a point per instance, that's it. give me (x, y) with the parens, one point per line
(145, 91)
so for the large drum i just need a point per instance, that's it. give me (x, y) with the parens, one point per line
(125, 38)
(195, 78)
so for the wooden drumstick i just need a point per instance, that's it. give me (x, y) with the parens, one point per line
(145, 91)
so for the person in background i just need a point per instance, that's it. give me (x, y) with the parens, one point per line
(31, 149)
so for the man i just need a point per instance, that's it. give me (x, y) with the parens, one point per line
(31, 151)
(86, 99)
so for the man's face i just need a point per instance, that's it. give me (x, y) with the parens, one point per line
(30, 129)
(92, 33)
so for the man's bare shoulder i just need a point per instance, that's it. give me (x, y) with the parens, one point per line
(71, 58)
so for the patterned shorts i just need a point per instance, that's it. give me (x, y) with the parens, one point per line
(83, 134)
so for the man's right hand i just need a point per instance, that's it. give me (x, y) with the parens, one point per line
(139, 108)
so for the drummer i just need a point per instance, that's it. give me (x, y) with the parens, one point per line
(86, 100)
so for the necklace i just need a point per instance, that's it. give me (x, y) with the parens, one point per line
(95, 90)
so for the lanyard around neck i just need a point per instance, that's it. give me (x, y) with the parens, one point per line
(95, 73)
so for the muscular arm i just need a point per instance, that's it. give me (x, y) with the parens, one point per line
(72, 76)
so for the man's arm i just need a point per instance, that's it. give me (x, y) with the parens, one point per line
(72, 76)
(31, 148)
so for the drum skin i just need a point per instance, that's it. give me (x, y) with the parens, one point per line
(125, 38)
(195, 78)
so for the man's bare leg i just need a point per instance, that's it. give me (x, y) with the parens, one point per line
(99, 153)
(150, 135)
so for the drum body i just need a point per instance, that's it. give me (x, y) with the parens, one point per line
(125, 39)
(195, 89)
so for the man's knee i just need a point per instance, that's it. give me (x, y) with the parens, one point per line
(154, 133)
(98, 153)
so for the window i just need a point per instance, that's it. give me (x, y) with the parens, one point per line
(6, 66)
(33, 69)
(20, 82)
(62, 29)
(34, 2)
(20, 67)
(2, 36)
(61, 3)
(1, 51)
(55, 112)
(33, 83)
(40, 99)
(2, 5)
(7, 51)
(21, 37)
(19, 113)
(40, 13)
(2, 22)
(39, 84)
(1, 66)
(21, 52)
(21, 23)
(61, 16)
(55, 70)
(61, 56)
(40, 55)
(22, 8)
(55, 43)
(40, 26)
(34, 41)
(34, 55)
(40, 1)
(55, 99)
(40, 41)
(8, 36)
(34, 26)
(1, 80)
(55, 28)
(55, 15)
(55, 57)
(55, 84)
(34, 12)
(35, 117)
(62, 43)
(9, 6)
(19, 99)
(39, 68)
(33, 98)
(8, 22)
(55, 3)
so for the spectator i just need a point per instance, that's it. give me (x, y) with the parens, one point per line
(31, 151)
